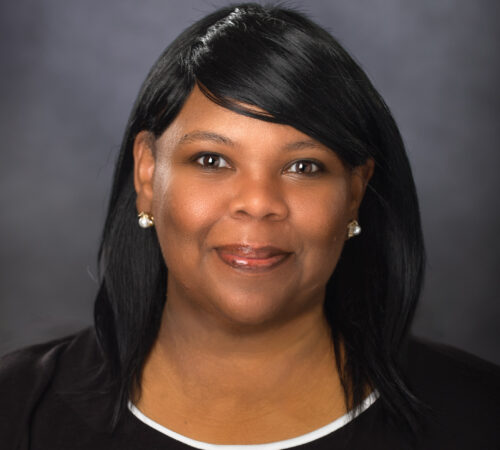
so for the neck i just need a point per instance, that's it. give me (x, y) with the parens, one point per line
(205, 374)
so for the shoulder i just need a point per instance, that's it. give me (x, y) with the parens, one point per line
(24, 366)
(461, 390)
(26, 374)
(29, 366)
(430, 364)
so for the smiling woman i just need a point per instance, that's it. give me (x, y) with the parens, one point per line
(261, 262)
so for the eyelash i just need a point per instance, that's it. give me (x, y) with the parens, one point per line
(213, 155)
(319, 166)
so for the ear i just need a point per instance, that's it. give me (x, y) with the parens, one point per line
(144, 166)
(360, 176)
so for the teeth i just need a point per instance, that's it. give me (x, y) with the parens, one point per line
(241, 262)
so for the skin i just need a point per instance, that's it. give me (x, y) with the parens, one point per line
(243, 357)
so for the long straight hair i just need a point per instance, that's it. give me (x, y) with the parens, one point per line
(294, 71)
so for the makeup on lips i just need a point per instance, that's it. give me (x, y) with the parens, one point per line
(252, 258)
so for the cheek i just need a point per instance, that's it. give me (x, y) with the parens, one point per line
(184, 214)
(321, 223)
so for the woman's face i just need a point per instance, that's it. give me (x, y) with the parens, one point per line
(251, 216)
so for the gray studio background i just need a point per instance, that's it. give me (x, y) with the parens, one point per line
(69, 74)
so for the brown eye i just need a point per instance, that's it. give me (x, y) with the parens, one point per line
(212, 161)
(304, 167)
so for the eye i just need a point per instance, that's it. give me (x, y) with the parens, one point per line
(305, 167)
(211, 161)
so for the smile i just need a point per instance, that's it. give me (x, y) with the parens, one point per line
(252, 259)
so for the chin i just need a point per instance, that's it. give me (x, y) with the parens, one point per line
(250, 311)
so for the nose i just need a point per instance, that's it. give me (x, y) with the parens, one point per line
(258, 198)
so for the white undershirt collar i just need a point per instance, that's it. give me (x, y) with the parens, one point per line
(288, 443)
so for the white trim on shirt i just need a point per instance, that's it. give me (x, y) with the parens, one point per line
(288, 443)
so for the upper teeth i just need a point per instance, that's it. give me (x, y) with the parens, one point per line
(241, 262)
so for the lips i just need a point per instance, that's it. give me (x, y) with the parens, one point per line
(252, 258)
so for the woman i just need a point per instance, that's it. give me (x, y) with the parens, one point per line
(261, 262)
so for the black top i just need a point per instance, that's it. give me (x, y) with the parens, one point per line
(43, 404)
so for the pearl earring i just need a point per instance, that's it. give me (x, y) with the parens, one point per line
(145, 220)
(353, 229)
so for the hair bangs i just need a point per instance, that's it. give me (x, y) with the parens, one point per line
(276, 71)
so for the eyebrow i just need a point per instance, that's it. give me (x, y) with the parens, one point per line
(304, 144)
(199, 135)
(205, 136)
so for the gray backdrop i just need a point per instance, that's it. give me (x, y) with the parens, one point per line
(70, 71)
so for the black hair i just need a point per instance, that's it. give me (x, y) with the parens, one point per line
(297, 74)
